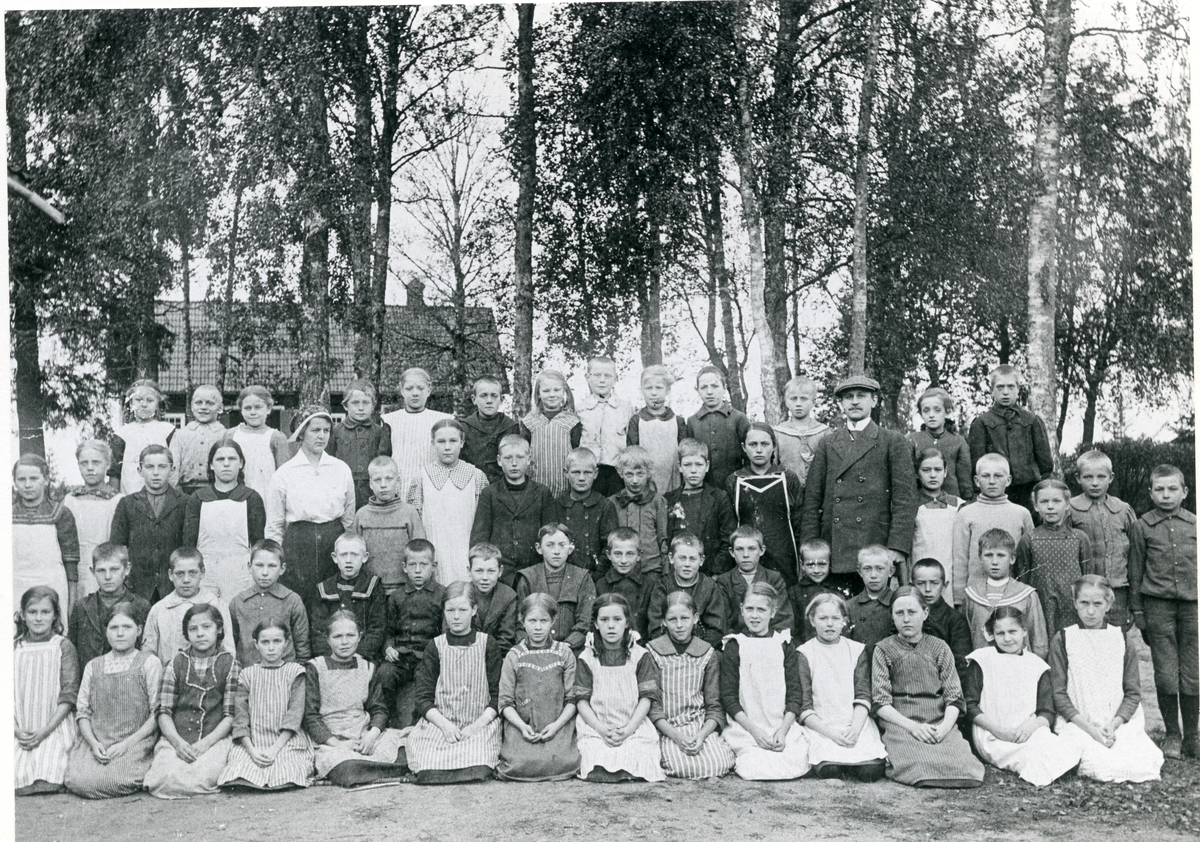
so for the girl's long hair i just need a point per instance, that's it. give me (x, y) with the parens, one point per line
(604, 601)
(31, 596)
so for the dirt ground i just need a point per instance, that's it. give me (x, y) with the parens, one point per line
(1005, 808)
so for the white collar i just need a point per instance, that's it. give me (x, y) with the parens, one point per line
(858, 426)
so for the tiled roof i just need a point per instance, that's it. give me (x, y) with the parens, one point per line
(414, 336)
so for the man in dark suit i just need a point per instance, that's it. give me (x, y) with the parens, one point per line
(861, 486)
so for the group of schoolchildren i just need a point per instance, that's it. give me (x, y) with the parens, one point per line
(590, 592)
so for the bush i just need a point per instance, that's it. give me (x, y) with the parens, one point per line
(1133, 460)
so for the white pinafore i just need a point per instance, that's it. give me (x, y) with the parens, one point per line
(1095, 676)
(260, 459)
(614, 697)
(447, 514)
(832, 667)
(1010, 698)
(224, 542)
(37, 560)
(762, 692)
(93, 520)
(661, 438)
(138, 437)
(36, 679)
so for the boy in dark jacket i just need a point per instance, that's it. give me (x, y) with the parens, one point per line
(701, 508)
(485, 427)
(1015, 433)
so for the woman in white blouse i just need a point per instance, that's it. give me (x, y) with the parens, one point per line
(310, 502)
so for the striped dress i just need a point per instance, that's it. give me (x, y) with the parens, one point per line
(919, 680)
(614, 698)
(117, 695)
(45, 675)
(549, 444)
(462, 695)
(270, 700)
(691, 695)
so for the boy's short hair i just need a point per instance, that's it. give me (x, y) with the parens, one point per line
(582, 456)
(657, 372)
(692, 447)
(997, 539)
(512, 440)
(381, 462)
(1056, 484)
(185, 554)
(483, 551)
(1164, 471)
(687, 539)
(634, 456)
(747, 531)
(928, 453)
(711, 369)
(364, 386)
(346, 537)
(871, 551)
(155, 450)
(268, 545)
(419, 546)
(487, 378)
(931, 564)
(993, 458)
(1095, 458)
(815, 545)
(110, 551)
(1006, 371)
(551, 528)
(800, 381)
(97, 445)
(623, 533)
(201, 388)
(599, 358)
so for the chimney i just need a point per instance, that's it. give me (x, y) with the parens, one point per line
(415, 294)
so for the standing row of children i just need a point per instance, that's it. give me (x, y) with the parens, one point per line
(312, 497)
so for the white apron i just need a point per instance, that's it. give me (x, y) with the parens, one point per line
(661, 438)
(37, 560)
(762, 692)
(93, 520)
(36, 673)
(447, 515)
(1010, 697)
(260, 459)
(343, 694)
(832, 667)
(1095, 679)
(224, 542)
(138, 437)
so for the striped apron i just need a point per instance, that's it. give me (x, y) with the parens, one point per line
(550, 442)
(614, 698)
(270, 690)
(36, 679)
(683, 704)
(462, 697)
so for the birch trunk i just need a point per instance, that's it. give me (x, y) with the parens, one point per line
(862, 197)
(526, 166)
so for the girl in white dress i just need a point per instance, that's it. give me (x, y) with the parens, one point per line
(412, 425)
(93, 505)
(764, 688)
(264, 448)
(45, 542)
(616, 681)
(843, 740)
(46, 679)
(445, 494)
(1010, 704)
(144, 428)
(1097, 692)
